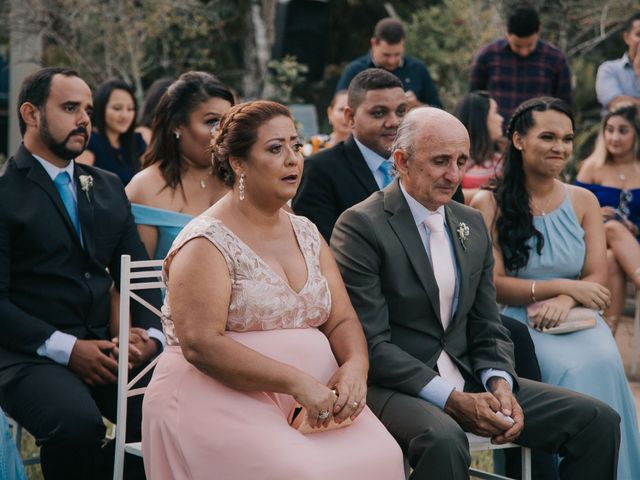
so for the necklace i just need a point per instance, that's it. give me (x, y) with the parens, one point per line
(203, 183)
(543, 211)
(631, 171)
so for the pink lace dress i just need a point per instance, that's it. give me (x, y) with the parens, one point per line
(195, 427)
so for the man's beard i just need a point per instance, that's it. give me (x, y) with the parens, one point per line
(60, 149)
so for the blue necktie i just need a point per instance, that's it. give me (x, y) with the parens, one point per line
(62, 184)
(386, 168)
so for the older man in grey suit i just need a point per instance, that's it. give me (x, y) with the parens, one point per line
(418, 268)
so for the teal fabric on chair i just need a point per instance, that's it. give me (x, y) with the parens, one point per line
(10, 463)
(167, 222)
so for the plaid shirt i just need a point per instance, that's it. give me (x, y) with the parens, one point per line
(511, 79)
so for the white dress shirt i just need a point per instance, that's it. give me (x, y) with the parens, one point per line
(373, 161)
(437, 391)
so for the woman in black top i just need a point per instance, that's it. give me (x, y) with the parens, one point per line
(114, 144)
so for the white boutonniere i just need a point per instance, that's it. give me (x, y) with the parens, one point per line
(86, 184)
(463, 234)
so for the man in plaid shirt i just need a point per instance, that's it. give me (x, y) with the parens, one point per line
(520, 66)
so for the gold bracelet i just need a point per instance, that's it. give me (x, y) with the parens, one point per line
(533, 292)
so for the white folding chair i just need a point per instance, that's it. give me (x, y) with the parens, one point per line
(134, 276)
(480, 444)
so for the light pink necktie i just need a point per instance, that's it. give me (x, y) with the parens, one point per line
(443, 270)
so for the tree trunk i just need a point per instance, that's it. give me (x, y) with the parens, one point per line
(260, 37)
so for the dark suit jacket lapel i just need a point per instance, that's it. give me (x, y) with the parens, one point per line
(85, 210)
(404, 226)
(37, 174)
(453, 223)
(359, 167)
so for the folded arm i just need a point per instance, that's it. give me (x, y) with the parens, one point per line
(562, 294)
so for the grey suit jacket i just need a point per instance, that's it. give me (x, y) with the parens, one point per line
(392, 287)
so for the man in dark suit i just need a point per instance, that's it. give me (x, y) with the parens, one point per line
(418, 268)
(339, 177)
(63, 228)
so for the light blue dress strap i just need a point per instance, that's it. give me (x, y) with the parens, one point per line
(168, 223)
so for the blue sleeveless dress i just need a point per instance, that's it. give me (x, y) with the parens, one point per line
(614, 197)
(587, 361)
(168, 223)
(10, 462)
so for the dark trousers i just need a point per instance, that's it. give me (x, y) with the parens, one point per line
(65, 416)
(543, 465)
(584, 431)
(524, 350)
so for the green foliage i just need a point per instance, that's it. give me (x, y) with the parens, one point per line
(445, 37)
(285, 75)
(141, 40)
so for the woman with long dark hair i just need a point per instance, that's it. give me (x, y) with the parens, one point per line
(114, 144)
(478, 112)
(177, 182)
(550, 257)
(614, 178)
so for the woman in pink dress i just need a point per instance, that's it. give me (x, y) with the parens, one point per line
(479, 114)
(257, 320)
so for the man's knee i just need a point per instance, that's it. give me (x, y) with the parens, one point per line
(75, 425)
(52, 403)
(604, 418)
(439, 442)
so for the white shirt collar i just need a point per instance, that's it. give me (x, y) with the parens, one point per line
(372, 158)
(54, 171)
(420, 212)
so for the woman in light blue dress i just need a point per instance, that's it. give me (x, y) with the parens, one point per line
(10, 463)
(167, 223)
(550, 248)
(177, 181)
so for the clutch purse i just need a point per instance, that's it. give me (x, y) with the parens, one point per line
(579, 318)
(298, 419)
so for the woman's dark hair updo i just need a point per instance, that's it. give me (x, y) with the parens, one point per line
(183, 96)
(238, 131)
(514, 223)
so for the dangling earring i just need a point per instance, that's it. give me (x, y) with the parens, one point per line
(241, 186)
(177, 134)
